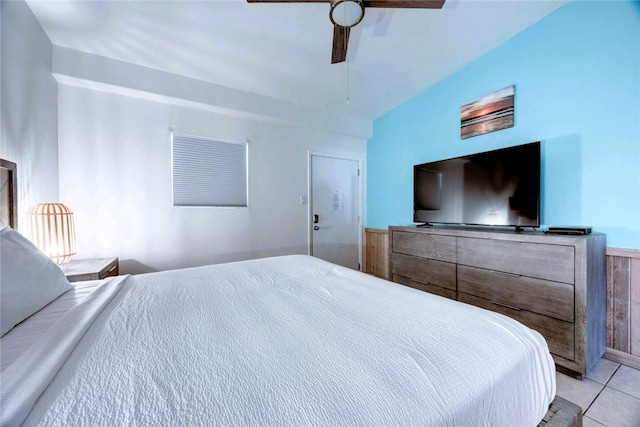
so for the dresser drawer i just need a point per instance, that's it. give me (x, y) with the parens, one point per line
(549, 262)
(553, 299)
(442, 248)
(559, 335)
(426, 287)
(424, 270)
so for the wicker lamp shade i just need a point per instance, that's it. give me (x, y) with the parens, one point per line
(51, 229)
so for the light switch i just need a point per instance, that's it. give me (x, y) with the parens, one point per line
(303, 200)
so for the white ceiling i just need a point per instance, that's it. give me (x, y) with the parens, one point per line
(283, 50)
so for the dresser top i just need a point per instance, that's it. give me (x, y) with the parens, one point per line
(499, 233)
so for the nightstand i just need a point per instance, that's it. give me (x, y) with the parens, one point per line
(90, 269)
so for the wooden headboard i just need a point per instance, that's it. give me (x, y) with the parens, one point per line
(8, 194)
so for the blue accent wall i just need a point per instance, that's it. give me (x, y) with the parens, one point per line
(577, 79)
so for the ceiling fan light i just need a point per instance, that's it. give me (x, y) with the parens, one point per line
(346, 13)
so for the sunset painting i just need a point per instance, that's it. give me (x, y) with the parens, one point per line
(487, 114)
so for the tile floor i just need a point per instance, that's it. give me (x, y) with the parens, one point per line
(609, 395)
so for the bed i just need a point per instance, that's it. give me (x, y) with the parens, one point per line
(279, 341)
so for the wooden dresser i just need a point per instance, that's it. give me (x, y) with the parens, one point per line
(554, 284)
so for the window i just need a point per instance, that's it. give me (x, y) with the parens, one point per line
(209, 172)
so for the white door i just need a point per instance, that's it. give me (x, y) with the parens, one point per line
(335, 210)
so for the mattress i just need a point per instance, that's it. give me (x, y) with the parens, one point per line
(279, 341)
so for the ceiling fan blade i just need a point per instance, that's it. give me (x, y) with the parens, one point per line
(405, 4)
(287, 1)
(340, 44)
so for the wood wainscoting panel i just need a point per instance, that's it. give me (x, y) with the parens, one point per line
(376, 258)
(623, 302)
(634, 314)
(618, 292)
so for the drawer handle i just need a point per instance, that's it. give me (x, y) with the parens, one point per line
(506, 273)
(501, 304)
(112, 268)
(422, 283)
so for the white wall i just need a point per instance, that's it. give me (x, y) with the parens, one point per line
(112, 162)
(29, 109)
(83, 69)
(115, 173)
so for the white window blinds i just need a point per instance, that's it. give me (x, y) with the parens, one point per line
(208, 172)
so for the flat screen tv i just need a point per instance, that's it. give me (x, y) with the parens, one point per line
(497, 188)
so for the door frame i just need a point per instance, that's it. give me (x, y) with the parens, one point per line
(310, 155)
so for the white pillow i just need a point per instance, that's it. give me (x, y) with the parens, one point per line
(29, 279)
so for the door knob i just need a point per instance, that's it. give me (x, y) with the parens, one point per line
(316, 219)
(315, 227)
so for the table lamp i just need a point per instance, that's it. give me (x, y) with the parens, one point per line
(51, 229)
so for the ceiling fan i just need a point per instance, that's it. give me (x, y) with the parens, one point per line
(345, 14)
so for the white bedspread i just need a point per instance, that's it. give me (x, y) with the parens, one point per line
(294, 341)
(32, 329)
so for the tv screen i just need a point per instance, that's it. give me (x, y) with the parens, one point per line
(499, 188)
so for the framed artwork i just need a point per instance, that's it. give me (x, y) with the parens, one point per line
(488, 113)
